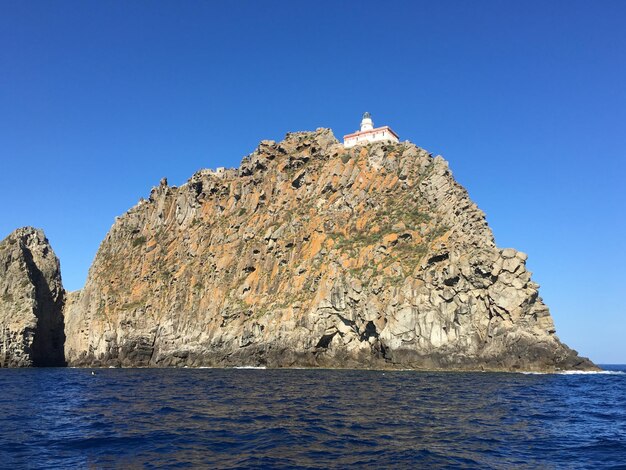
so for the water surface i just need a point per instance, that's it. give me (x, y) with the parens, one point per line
(67, 418)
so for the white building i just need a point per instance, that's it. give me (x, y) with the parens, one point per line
(369, 134)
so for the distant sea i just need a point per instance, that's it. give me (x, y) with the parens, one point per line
(227, 418)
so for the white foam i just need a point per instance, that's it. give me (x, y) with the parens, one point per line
(591, 372)
(250, 367)
(578, 372)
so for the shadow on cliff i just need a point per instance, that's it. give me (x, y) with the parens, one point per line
(48, 348)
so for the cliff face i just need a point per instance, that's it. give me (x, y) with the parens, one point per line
(31, 301)
(311, 254)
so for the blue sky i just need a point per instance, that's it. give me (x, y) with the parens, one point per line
(526, 100)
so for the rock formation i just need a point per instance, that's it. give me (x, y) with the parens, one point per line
(311, 254)
(31, 301)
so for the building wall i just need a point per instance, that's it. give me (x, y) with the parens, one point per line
(370, 137)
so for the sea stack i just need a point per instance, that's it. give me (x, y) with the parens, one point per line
(313, 254)
(31, 301)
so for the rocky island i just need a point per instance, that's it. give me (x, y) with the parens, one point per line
(310, 254)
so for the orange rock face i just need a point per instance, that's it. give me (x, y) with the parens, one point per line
(311, 254)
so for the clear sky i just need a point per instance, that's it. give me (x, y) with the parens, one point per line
(526, 100)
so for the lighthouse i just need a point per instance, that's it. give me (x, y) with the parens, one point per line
(366, 123)
(369, 133)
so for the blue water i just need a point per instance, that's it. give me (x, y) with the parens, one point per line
(67, 418)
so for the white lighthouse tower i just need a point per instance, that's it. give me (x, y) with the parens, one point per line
(366, 122)
(369, 133)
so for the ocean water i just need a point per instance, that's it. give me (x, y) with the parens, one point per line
(227, 418)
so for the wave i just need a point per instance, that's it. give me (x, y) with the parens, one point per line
(591, 372)
(578, 372)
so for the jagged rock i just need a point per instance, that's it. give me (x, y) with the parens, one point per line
(311, 254)
(31, 301)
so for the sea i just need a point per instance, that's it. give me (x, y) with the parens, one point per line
(310, 418)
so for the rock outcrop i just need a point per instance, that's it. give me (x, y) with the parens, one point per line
(311, 254)
(31, 302)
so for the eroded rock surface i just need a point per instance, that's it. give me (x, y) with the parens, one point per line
(31, 301)
(311, 254)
